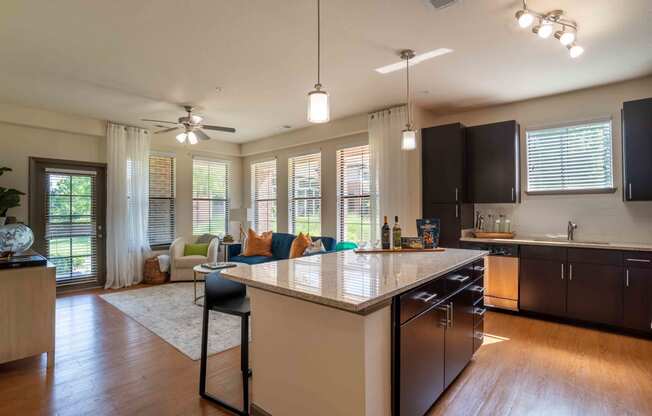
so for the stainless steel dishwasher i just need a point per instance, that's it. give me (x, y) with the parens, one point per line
(501, 274)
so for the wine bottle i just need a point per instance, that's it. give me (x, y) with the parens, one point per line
(384, 232)
(396, 234)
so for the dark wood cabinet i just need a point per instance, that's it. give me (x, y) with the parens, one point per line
(542, 286)
(452, 218)
(422, 362)
(637, 311)
(492, 160)
(637, 150)
(443, 163)
(459, 335)
(595, 293)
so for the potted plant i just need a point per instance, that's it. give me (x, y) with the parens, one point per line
(9, 198)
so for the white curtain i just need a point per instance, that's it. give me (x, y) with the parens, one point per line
(389, 169)
(127, 205)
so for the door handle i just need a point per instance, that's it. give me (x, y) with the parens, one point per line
(626, 277)
(562, 271)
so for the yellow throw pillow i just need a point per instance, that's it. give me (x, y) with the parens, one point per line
(299, 245)
(258, 245)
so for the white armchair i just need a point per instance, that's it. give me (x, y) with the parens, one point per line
(181, 266)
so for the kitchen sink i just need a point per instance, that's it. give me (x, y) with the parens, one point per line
(564, 240)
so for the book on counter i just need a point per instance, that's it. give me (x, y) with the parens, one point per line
(428, 229)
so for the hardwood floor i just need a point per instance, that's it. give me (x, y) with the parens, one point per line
(108, 364)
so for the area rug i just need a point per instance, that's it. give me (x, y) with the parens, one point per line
(169, 312)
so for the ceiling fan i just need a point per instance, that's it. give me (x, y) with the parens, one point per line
(192, 125)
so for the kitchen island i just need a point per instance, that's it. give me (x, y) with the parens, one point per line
(361, 334)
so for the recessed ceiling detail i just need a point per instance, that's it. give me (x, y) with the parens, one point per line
(417, 59)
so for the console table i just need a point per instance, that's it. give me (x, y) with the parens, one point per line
(27, 312)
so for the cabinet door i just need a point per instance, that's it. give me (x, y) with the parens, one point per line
(542, 286)
(443, 163)
(637, 150)
(595, 293)
(459, 335)
(638, 299)
(449, 220)
(422, 362)
(493, 162)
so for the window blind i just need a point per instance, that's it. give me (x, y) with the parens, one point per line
(161, 225)
(71, 225)
(210, 196)
(353, 194)
(304, 194)
(570, 158)
(263, 195)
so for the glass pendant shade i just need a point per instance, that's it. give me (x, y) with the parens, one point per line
(525, 19)
(409, 141)
(566, 38)
(192, 138)
(545, 30)
(575, 51)
(318, 107)
(181, 137)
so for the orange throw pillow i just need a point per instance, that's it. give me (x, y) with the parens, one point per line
(299, 245)
(258, 245)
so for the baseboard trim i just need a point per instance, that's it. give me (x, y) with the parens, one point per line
(258, 411)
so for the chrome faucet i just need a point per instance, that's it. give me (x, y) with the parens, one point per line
(571, 230)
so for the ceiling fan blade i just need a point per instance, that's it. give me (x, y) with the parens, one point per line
(167, 130)
(201, 135)
(158, 121)
(219, 128)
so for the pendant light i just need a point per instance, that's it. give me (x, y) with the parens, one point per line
(318, 105)
(409, 140)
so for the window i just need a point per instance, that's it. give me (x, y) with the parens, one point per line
(304, 194)
(161, 223)
(570, 158)
(210, 196)
(353, 194)
(263, 195)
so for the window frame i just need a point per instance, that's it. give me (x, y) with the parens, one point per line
(165, 246)
(227, 200)
(586, 191)
(291, 198)
(340, 223)
(254, 201)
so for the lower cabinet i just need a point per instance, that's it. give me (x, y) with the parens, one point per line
(637, 311)
(459, 335)
(595, 293)
(542, 286)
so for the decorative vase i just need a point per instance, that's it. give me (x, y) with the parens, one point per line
(2, 221)
(15, 238)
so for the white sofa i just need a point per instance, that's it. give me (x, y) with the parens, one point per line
(181, 266)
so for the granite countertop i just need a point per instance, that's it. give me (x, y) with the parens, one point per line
(535, 241)
(349, 281)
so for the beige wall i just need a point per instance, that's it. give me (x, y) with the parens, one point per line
(328, 149)
(603, 217)
(26, 132)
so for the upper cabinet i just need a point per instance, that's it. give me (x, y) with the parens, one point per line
(637, 150)
(443, 165)
(493, 162)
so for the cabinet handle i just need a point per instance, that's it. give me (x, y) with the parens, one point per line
(562, 271)
(627, 278)
(639, 260)
(629, 186)
(570, 272)
(513, 195)
(456, 194)
(451, 318)
(427, 298)
(457, 211)
(445, 322)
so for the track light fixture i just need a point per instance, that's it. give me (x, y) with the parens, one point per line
(565, 30)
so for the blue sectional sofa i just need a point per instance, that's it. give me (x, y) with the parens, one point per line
(281, 243)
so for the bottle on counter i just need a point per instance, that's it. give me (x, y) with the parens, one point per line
(384, 233)
(500, 223)
(396, 235)
(508, 225)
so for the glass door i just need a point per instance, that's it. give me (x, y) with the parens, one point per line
(67, 216)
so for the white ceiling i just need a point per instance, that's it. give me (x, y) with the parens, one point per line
(124, 60)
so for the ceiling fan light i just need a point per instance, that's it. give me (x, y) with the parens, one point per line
(409, 139)
(544, 30)
(566, 38)
(192, 137)
(181, 137)
(575, 50)
(318, 106)
(525, 18)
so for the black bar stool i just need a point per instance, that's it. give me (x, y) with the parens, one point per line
(228, 297)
